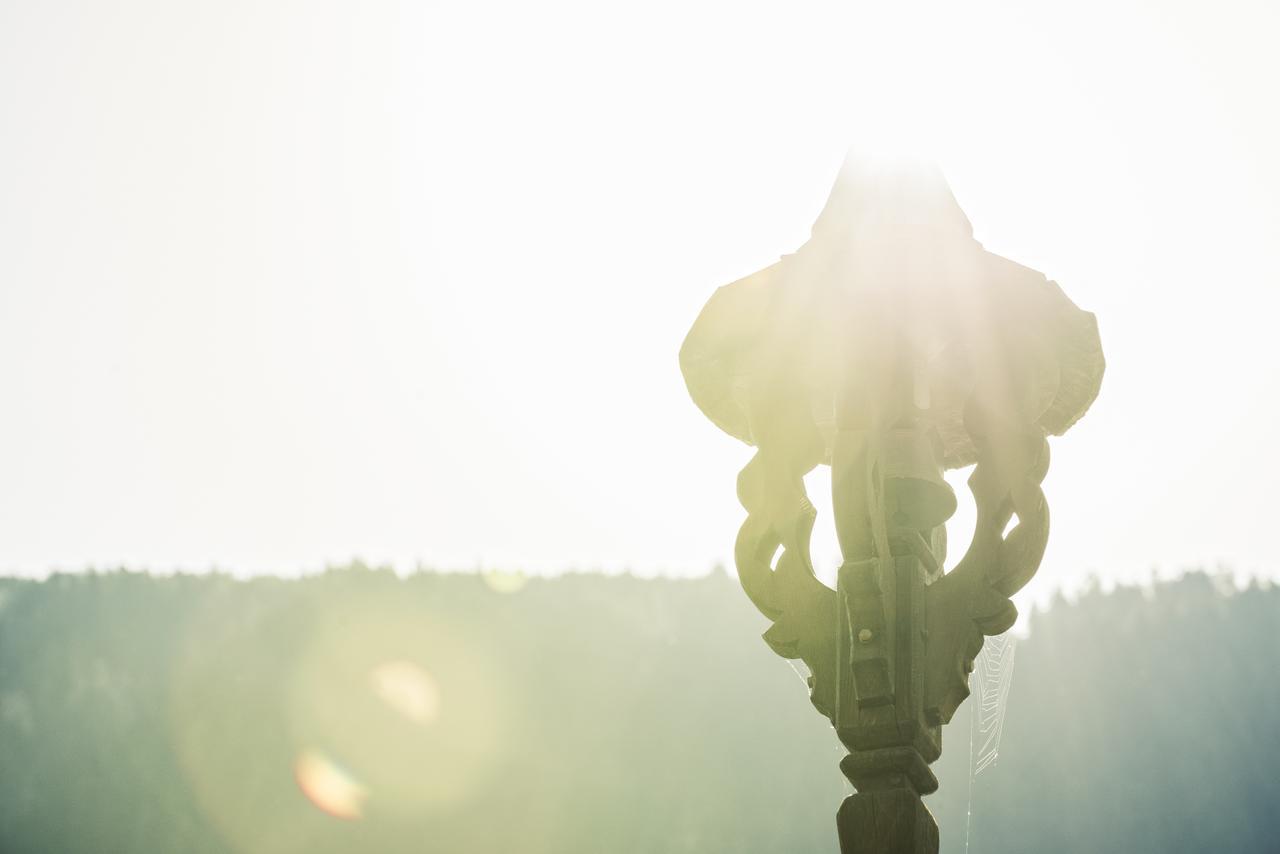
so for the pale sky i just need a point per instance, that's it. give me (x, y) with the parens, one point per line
(282, 284)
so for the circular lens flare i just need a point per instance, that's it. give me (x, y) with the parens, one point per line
(329, 786)
(407, 688)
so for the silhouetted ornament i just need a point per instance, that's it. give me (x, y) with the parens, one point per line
(892, 265)
(891, 346)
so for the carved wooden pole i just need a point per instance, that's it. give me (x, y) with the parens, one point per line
(891, 346)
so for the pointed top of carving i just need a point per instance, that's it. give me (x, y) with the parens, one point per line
(877, 192)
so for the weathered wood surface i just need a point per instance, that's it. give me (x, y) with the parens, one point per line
(890, 821)
(887, 815)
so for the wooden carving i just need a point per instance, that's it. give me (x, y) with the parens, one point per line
(891, 346)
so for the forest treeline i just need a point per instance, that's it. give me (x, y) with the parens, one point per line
(356, 711)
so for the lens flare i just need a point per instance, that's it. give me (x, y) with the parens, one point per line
(329, 786)
(410, 702)
(407, 688)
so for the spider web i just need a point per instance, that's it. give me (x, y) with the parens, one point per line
(992, 673)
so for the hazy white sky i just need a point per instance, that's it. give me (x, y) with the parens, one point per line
(287, 283)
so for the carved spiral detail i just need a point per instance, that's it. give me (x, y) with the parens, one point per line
(772, 555)
(802, 608)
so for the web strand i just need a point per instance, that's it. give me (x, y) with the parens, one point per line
(992, 675)
(993, 671)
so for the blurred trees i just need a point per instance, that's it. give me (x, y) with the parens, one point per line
(589, 714)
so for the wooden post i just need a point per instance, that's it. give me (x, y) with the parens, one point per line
(886, 816)
(890, 501)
